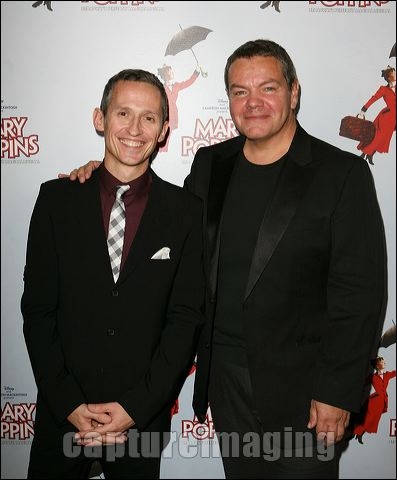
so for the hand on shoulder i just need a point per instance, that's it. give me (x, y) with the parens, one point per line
(82, 173)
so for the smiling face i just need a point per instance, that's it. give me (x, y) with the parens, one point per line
(132, 128)
(261, 104)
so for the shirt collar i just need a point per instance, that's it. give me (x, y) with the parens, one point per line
(110, 183)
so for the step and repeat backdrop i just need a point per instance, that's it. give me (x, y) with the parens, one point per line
(56, 59)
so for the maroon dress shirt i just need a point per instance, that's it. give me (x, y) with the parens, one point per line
(135, 200)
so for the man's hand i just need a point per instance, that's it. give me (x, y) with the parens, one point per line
(114, 431)
(330, 422)
(83, 419)
(95, 439)
(82, 173)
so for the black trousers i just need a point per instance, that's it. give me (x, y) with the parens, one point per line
(247, 450)
(55, 454)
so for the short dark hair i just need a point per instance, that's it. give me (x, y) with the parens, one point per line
(135, 75)
(263, 48)
(386, 72)
(375, 361)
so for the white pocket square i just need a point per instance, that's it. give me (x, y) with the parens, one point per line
(162, 254)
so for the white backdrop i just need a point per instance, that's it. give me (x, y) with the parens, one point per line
(56, 59)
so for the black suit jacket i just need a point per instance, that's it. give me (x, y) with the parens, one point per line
(316, 291)
(91, 340)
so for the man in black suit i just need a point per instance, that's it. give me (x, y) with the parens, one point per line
(296, 268)
(295, 264)
(110, 347)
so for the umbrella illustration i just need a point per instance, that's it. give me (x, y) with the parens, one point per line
(388, 338)
(186, 39)
(393, 51)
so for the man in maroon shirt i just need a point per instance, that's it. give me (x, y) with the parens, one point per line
(111, 341)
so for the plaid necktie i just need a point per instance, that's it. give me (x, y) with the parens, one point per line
(116, 231)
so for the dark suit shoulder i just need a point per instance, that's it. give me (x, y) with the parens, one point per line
(333, 155)
(204, 159)
(54, 184)
(64, 186)
(339, 169)
(227, 147)
(331, 166)
(176, 195)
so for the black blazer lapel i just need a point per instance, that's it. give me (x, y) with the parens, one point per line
(155, 220)
(291, 186)
(221, 172)
(88, 211)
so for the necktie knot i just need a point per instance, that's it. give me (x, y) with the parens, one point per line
(121, 189)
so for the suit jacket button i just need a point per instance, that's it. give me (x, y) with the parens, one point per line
(115, 293)
(111, 332)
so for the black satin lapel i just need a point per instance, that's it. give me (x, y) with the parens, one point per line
(290, 189)
(221, 172)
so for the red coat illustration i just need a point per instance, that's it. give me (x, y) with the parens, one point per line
(172, 89)
(377, 403)
(385, 121)
(172, 94)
